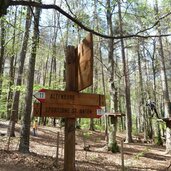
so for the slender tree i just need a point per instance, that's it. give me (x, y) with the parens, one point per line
(2, 51)
(142, 109)
(164, 80)
(12, 69)
(112, 144)
(127, 84)
(15, 106)
(157, 131)
(25, 130)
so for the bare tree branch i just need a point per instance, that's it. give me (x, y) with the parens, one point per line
(155, 24)
(70, 8)
(49, 6)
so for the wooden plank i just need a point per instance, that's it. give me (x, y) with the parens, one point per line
(116, 114)
(54, 110)
(36, 109)
(75, 98)
(85, 63)
(86, 112)
(71, 85)
(66, 111)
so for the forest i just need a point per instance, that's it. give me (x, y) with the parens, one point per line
(130, 79)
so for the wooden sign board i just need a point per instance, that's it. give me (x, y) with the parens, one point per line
(36, 109)
(66, 111)
(40, 95)
(115, 114)
(71, 97)
(85, 63)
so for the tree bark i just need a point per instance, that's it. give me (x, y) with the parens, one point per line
(11, 73)
(71, 85)
(2, 52)
(127, 84)
(112, 144)
(167, 108)
(15, 106)
(25, 130)
(157, 131)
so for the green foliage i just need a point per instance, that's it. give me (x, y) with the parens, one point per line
(138, 155)
(134, 130)
(83, 17)
(38, 87)
(99, 127)
(86, 134)
(2, 107)
(85, 123)
(141, 154)
(21, 88)
(158, 141)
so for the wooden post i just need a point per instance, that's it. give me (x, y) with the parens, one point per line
(71, 85)
(57, 148)
(122, 155)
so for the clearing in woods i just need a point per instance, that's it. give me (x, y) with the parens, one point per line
(138, 156)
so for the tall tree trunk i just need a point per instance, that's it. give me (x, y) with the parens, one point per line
(50, 73)
(11, 72)
(94, 87)
(167, 108)
(147, 111)
(14, 113)
(127, 84)
(112, 144)
(157, 131)
(141, 102)
(54, 50)
(2, 52)
(45, 70)
(25, 130)
(142, 97)
(104, 90)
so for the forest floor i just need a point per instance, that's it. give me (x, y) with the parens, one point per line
(138, 156)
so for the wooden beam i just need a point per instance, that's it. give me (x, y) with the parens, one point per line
(71, 85)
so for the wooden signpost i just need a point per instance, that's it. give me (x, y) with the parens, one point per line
(71, 104)
(65, 111)
(85, 63)
(69, 97)
(40, 95)
(71, 85)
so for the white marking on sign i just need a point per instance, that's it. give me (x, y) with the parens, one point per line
(40, 95)
(100, 111)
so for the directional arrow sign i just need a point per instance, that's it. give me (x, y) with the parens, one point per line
(70, 97)
(40, 95)
(66, 111)
(100, 111)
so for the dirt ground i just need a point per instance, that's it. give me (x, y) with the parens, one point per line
(43, 150)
